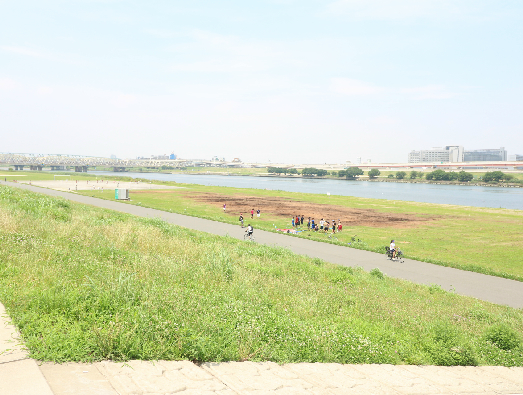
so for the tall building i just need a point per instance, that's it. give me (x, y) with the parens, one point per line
(449, 153)
(483, 155)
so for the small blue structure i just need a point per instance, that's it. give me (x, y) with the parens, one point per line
(172, 156)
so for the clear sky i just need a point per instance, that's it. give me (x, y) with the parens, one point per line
(303, 81)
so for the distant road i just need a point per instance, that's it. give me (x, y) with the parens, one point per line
(489, 288)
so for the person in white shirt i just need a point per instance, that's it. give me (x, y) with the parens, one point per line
(393, 248)
(249, 230)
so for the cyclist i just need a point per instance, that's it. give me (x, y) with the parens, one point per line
(249, 231)
(393, 248)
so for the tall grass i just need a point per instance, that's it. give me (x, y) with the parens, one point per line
(86, 284)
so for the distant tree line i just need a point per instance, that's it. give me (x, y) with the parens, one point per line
(281, 170)
(352, 173)
(312, 171)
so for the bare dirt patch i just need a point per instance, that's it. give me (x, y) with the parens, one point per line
(287, 208)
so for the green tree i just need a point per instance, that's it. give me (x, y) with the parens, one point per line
(400, 175)
(452, 176)
(312, 171)
(373, 173)
(463, 176)
(292, 171)
(390, 176)
(495, 176)
(352, 172)
(439, 175)
(342, 173)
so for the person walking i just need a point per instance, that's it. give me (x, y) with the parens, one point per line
(224, 206)
(241, 219)
(258, 213)
(340, 227)
(301, 219)
(309, 224)
(313, 225)
(252, 213)
(322, 222)
(293, 222)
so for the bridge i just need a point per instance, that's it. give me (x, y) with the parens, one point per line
(82, 163)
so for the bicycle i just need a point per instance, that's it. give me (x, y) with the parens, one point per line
(246, 237)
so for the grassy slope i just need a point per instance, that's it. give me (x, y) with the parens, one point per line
(477, 239)
(86, 284)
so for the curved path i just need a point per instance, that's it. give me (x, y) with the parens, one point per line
(489, 288)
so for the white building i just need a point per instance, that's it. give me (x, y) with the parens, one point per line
(450, 153)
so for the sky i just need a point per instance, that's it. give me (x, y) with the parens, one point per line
(305, 81)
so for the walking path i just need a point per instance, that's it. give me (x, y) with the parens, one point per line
(22, 375)
(489, 288)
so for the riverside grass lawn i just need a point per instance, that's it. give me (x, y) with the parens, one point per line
(483, 240)
(88, 284)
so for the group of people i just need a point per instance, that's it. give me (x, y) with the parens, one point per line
(321, 226)
(258, 213)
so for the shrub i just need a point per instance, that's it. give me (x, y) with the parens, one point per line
(390, 176)
(413, 174)
(503, 336)
(377, 273)
(449, 349)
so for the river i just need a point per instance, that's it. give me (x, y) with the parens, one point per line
(462, 195)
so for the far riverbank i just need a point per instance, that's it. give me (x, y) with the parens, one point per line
(439, 193)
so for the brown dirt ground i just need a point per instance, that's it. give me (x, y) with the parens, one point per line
(287, 208)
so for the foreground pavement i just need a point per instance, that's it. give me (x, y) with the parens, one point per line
(489, 288)
(20, 375)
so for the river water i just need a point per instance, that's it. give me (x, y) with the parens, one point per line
(462, 195)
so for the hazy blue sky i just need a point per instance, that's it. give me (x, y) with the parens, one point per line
(305, 81)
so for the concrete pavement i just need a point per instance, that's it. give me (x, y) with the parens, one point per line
(489, 288)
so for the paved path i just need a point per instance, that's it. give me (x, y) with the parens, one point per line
(20, 375)
(493, 289)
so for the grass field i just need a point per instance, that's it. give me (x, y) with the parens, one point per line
(476, 239)
(483, 240)
(86, 284)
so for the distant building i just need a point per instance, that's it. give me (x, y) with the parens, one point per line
(450, 153)
(113, 156)
(514, 158)
(484, 155)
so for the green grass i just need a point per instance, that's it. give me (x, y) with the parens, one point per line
(482, 240)
(86, 284)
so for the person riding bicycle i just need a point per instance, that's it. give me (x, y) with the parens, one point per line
(249, 231)
(393, 248)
